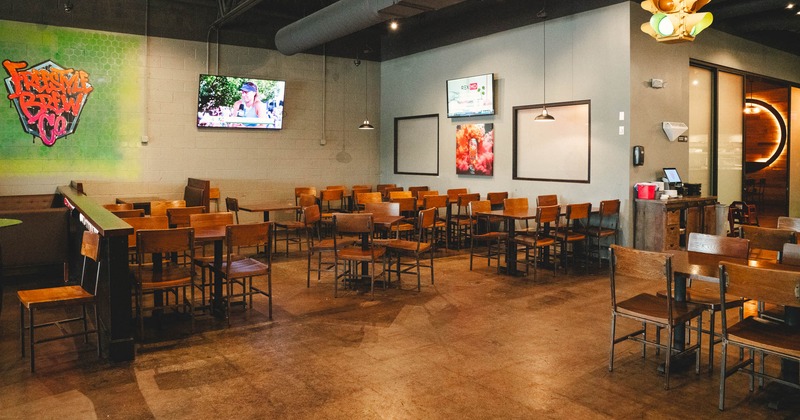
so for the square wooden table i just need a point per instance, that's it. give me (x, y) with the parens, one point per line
(267, 207)
(511, 216)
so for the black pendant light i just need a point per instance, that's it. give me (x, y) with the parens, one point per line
(366, 125)
(544, 116)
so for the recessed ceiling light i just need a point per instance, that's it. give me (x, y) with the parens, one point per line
(393, 25)
(790, 6)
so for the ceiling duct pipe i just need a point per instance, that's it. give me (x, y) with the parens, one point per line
(346, 17)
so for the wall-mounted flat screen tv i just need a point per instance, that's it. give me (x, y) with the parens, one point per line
(470, 96)
(240, 102)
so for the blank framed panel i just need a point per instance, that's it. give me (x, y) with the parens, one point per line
(416, 145)
(559, 150)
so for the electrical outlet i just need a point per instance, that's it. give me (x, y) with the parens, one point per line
(683, 139)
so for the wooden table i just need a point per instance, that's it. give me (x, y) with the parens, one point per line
(139, 202)
(511, 216)
(705, 267)
(215, 234)
(269, 206)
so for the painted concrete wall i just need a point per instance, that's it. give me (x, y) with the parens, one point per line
(581, 64)
(148, 87)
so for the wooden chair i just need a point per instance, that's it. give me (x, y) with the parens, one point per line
(547, 200)
(367, 197)
(385, 234)
(408, 207)
(740, 214)
(238, 270)
(298, 191)
(316, 246)
(332, 200)
(400, 194)
(139, 223)
(61, 298)
(421, 197)
(388, 190)
(605, 228)
(381, 188)
(122, 214)
(439, 202)
(354, 192)
(179, 216)
(757, 335)
(766, 239)
(232, 205)
(352, 258)
(293, 231)
(707, 295)
(789, 223)
(629, 269)
(415, 190)
(517, 203)
(483, 232)
(567, 236)
(117, 207)
(496, 199)
(461, 223)
(203, 261)
(164, 276)
(415, 249)
(790, 254)
(159, 208)
(213, 197)
(535, 240)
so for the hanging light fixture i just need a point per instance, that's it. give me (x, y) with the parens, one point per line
(544, 116)
(366, 125)
(750, 107)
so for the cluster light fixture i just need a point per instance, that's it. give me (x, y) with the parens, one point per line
(676, 20)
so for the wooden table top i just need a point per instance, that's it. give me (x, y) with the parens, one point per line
(134, 200)
(519, 214)
(269, 206)
(705, 267)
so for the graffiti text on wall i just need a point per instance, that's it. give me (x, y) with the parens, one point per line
(48, 98)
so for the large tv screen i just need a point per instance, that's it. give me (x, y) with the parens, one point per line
(240, 102)
(470, 96)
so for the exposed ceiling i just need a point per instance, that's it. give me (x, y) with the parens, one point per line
(768, 22)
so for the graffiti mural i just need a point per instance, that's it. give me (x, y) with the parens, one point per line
(48, 98)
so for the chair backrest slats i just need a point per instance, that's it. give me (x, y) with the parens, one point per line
(248, 234)
(516, 203)
(163, 241)
(400, 194)
(718, 245)
(139, 223)
(384, 208)
(790, 223)
(453, 193)
(630, 264)
(353, 223)
(210, 219)
(547, 200)
(767, 238)
(497, 198)
(128, 213)
(179, 216)
(771, 285)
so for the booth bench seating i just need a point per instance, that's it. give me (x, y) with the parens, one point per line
(43, 237)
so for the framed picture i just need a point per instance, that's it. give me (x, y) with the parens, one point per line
(416, 145)
(475, 149)
(557, 150)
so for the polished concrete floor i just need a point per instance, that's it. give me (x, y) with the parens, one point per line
(474, 345)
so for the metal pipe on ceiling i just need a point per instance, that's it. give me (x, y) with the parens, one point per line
(346, 17)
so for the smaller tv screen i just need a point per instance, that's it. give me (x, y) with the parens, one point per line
(469, 96)
(240, 102)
